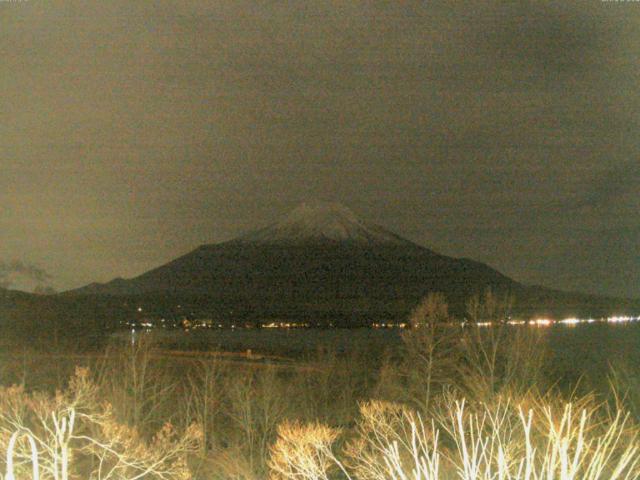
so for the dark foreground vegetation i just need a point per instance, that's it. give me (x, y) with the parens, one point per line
(444, 402)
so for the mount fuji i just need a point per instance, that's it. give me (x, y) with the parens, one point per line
(322, 261)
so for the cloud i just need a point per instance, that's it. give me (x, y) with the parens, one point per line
(18, 267)
(611, 185)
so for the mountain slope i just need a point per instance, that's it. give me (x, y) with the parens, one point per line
(321, 259)
(339, 270)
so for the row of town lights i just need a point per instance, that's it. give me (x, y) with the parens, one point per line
(540, 322)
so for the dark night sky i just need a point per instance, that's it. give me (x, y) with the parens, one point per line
(131, 131)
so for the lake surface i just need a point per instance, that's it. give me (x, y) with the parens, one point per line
(582, 344)
(581, 353)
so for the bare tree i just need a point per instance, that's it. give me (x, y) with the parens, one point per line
(432, 352)
(77, 436)
(205, 397)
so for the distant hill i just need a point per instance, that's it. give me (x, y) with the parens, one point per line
(322, 259)
(56, 321)
(7, 294)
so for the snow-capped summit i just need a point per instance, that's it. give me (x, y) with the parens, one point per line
(322, 222)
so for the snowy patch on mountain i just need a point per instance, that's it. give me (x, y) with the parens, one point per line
(323, 223)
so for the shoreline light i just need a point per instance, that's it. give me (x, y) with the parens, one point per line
(542, 322)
